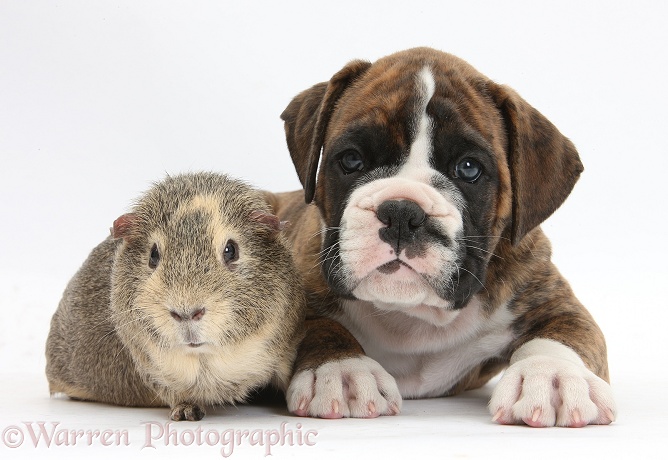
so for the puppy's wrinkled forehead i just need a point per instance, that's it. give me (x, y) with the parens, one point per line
(395, 92)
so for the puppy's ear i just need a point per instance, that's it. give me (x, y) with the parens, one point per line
(306, 119)
(544, 165)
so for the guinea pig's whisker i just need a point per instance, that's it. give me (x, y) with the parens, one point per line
(105, 336)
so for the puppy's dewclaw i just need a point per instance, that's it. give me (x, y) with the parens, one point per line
(193, 301)
(426, 184)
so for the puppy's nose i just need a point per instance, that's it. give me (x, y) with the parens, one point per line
(195, 315)
(403, 219)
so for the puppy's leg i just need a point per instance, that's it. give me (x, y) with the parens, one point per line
(333, 378)
(558, 372)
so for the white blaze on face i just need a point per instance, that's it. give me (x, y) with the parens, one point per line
(362, 251)
(417, 164)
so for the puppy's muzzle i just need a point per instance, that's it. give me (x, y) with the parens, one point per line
(403, 221)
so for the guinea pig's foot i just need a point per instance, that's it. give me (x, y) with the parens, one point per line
(353, 387)
(187, 411)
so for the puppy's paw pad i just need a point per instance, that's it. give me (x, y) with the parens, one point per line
(354, 387)
(187, 411)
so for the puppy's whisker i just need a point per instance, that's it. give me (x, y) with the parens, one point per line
(492, 237)
(328, 250)
(485, 251)
(477, 279)
(327, 257)
(323, 230)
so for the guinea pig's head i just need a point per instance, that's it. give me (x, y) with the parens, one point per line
(201, 265)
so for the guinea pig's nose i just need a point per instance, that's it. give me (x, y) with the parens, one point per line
(194, 315)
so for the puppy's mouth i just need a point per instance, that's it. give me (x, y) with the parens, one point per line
(397, 282)
(392, 267)
(399, 269)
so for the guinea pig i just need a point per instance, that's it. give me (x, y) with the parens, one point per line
(192, 301)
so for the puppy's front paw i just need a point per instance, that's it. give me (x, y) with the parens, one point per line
(353, 387)
(544, 390)
(186, 411)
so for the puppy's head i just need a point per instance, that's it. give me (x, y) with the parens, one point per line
(419, 164)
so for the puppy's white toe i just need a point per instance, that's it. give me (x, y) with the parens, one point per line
(551, 390)
(354, 387)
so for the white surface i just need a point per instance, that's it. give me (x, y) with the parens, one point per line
(433, 428)
(98, 99)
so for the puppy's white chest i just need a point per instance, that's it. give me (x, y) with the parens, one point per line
(428, 359)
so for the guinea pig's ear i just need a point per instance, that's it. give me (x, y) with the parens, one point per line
(306, 119)
(544, 165)
(269, 220)
(124, 226)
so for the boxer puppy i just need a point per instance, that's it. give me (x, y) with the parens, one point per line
(430, 182)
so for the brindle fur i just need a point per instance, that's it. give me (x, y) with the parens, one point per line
(537, 168)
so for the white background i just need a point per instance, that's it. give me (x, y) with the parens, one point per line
(99, 99)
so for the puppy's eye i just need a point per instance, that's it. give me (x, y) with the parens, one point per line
(468, 170)
(154, 258)
(351, 161)
(231, 252)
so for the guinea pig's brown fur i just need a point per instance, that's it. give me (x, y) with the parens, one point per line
(192, 301)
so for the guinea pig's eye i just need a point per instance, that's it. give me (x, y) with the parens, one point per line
(154, 259)
(468, 170)
(351, 161)
(231, 252)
